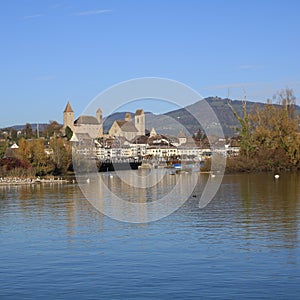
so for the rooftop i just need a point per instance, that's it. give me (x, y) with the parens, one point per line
(87, 120)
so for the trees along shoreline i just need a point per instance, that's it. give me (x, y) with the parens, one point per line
(50, 154)
(269, 136)
(269, 140)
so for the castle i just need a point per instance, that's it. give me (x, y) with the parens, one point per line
(93, 125)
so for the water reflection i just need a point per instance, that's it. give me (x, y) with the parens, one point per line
(245, 243)
(254, 207)
(140, 198)
(268, 208)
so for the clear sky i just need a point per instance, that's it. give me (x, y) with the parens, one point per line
(58, 50)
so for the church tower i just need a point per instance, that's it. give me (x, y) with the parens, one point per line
(99, 118)
(139, 121)
(68, 118)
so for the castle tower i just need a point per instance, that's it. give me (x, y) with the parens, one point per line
(99, 118)
(139, 121)
(128, 117)
(68, 117)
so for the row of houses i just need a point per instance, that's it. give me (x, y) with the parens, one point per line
(128, 138)
(154, 146)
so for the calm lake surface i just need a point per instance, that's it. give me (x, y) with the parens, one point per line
(244, 245)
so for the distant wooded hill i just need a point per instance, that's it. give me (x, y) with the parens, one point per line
(33, 127)
(174, 121)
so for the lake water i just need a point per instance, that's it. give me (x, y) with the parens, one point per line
(244, 245)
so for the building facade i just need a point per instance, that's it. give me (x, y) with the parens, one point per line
(91, 125)
(127, 128)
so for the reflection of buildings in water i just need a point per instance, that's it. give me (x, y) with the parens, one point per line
(119, 192)
(141, 194)
(70, 205)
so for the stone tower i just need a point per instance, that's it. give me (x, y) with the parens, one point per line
(68, 117)
(128, 117)
(99, 118)
(139, 121)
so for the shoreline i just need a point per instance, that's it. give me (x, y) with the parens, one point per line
(28, 181)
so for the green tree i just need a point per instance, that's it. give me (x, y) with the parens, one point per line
(13, 134)
(246, 143)
(68, 132)
(3, 146)
(28, 131)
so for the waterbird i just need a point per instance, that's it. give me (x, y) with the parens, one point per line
(212, 175)
(276, 176)
(88, 180)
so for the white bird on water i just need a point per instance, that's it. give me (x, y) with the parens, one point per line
(276, 176)
(88, 180)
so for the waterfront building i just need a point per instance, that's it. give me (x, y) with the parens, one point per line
(182, 137)
(126, 139)
(91, 125)
(68, 118)
(127, 128)
(162, 151)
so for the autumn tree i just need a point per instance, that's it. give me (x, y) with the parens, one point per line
(286, 98)
(14, 167)
(62, 154)
(52, 129)
(24, 151)
(269, 135)
(39, 159)
(275, 130)
(33, 152)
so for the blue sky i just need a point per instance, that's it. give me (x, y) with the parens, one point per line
(55, 50)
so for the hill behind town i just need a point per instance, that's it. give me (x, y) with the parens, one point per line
(188, 119)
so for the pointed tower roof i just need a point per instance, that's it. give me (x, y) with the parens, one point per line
(182, 134)
(153, 132)
(68, 108)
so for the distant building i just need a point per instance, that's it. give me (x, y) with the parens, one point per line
(93, 125)
(68, 118)
(127, 139)
(14, 146)
(84, 124)
(126, 128)
(139, 121)
(12, 151)
(182, 137)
